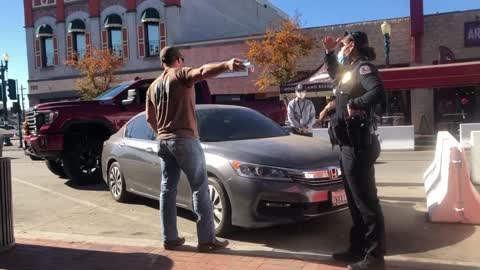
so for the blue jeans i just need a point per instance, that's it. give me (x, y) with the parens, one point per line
(185, 154)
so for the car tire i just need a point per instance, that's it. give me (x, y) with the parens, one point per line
(116, 183)
(222, 213)
(82, 160)
(56, 167)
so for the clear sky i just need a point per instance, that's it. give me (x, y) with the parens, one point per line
(324, 12)
(314, 13)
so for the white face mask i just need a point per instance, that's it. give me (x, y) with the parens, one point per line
(301, 95)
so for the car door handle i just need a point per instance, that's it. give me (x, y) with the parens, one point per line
(122, 144)
(149, 150)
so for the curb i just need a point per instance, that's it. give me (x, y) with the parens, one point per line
(398, 261)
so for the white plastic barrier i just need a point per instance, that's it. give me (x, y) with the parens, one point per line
(465, 131)
(475, 139)
(391, 137)
(451, 197)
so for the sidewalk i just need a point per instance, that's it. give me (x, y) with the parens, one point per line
(47, 254)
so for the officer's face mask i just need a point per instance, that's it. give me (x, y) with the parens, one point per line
(301, 94)
(343, 54)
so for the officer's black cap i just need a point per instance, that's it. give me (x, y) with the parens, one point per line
(360, 38)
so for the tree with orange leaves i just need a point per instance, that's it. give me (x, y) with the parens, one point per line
(96, 68)
(278, 53)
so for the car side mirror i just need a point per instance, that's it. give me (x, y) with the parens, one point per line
(132, 95)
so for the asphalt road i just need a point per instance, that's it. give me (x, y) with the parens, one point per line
(47, 206)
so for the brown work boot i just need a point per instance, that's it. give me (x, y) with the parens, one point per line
(215, 245)
(174, 244)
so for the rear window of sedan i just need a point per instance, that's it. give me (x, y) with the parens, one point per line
(232, 124)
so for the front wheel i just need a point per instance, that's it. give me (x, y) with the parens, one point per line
(222, 213)
(82, 160)
(56, 167)
(116, 183)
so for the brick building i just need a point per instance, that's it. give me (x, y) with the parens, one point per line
(206, 34)
(136, 30)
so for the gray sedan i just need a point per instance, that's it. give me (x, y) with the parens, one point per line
(259, 174)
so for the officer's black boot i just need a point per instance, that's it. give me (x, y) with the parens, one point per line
(369, 263)
(349, 256)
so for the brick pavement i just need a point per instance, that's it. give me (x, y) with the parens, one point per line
(40, 254)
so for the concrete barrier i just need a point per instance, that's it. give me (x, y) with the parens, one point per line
(475, 154)
(391, 137)
(451, 197)
(465, 132)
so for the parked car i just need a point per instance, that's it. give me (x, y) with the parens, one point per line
(259, 174)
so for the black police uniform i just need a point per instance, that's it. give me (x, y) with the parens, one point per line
(360, 86)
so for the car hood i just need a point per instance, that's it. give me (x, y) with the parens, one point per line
(69, 104)
(294, 152)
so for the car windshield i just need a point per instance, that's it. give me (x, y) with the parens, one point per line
(232, 124)
(112, 92)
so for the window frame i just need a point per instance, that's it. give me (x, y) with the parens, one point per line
(110, 44)
(147, 38)
(43, 49)
(75, 44)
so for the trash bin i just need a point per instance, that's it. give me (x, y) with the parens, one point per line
(7, 239)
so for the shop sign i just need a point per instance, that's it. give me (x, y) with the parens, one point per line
(472, 34)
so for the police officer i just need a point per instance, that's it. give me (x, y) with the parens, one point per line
(353, 128)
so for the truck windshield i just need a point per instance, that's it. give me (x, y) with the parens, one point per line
(112, 92)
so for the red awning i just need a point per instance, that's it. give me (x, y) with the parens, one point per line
(432, 76)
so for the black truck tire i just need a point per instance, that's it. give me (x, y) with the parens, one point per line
(56, 167)
(82, 159)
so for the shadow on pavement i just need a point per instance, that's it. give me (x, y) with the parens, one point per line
(101, 186)
(28, 257)
(407, 232)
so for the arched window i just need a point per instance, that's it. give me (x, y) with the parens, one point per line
(46, 47)
(76, 29)
(151, 33)
(113, 24)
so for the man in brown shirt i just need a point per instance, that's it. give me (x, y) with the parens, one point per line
(170, 111)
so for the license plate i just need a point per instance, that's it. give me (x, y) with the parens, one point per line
(339, 197)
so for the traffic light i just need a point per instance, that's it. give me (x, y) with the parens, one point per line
(12, 89)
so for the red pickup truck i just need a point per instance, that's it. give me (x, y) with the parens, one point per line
(69, 135)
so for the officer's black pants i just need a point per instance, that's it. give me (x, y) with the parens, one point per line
(368, 231)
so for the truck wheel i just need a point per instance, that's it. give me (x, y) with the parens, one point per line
(56, 167)
(81, 160)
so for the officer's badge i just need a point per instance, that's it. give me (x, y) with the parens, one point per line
(364, 70)
(347, 77)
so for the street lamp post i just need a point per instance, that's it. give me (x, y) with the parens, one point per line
(386, 31)
(3, 69)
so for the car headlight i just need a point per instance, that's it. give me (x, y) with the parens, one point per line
(258, 171)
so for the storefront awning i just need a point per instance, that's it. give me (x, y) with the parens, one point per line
(319, 81)
(150, 15)
(113, 21)
(395, 79)
(76, 26)
(44, 30)
(432, 76)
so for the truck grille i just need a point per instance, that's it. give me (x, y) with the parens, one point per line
(31, 118)
(334, 177)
